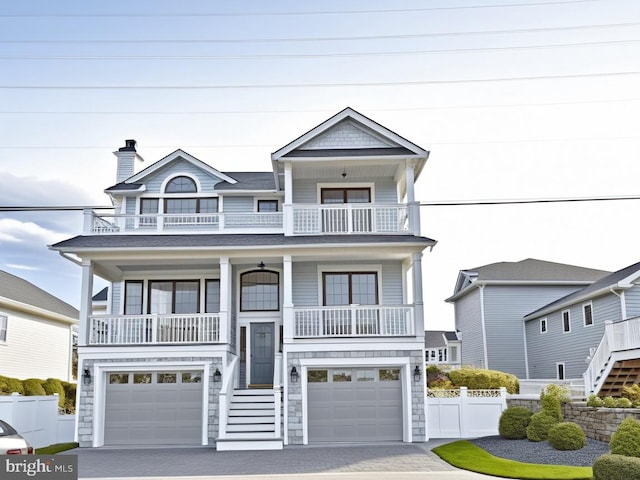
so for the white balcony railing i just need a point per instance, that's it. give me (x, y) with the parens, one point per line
(619, 336)
(353, 321)
(170, 223)
(350, 218)
(155, 329)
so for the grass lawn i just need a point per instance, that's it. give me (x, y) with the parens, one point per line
(467, 456)
(56, 448)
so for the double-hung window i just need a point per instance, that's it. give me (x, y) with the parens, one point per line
(3, 328)
(543, 325)
(587, 314)
(566, 321)
(350, 288)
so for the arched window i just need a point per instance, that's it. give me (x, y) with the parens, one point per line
(181, 184)
(259, 291)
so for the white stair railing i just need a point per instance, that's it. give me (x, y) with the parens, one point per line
(225, 396)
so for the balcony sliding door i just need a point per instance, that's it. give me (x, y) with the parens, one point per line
(345, 289)
(343, 220)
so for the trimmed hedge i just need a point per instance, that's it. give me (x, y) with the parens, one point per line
(541, 423)
(10, 385)
(33, 386)
(53, 385)
(626, 439)
(616, 467)
(567, 436)
(478, 378)
(66, 391)
(514, 422)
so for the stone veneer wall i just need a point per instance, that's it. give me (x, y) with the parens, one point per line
(85, 407)
(294, 394)
(597, 423)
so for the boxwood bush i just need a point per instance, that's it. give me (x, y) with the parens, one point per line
(479, 378)
(539, 426)
(616, 467)
(567, 436)
(626, 439)
(33, 386)
(594, 401)
(53, 385)
(10, 385)
(632, 392)
(514, 422)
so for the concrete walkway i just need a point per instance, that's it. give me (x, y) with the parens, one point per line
(358, 462)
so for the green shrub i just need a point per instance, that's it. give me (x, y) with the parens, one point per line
(551, 399)
(616, 467)
(11, 385)
(609, 402)
(478, 378)
(632, 393)
(70, 397)
(33, 386)
(626, 439)
(539, 426)
(567, 436)
(53, 385)
(594, 401)
(623, 403)
(514, 422)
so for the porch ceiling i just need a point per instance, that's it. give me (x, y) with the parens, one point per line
(331, 170)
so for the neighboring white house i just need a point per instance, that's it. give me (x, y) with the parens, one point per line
(235, 296)
(442, 347)
(36, 331)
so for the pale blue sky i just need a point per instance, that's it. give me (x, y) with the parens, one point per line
(570, 131)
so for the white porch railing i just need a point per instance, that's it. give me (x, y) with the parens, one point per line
(155, 329)
(216, 222)
(619, 336)
(353, 321)
(350, 218)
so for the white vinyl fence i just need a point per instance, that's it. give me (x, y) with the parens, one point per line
(36, 419)
(464, 413)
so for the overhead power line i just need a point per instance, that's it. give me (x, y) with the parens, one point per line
(403, 36)
(270, 56)
(317, 85)
(291, 13)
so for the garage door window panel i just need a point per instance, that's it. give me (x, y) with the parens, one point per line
(167, 378)
(317, 376)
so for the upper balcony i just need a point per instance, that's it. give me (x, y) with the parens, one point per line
(297, 219)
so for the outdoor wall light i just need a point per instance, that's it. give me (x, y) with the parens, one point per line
(86, 377)
(416, 374)
(261, 265)
(294, 375)
(217, 376)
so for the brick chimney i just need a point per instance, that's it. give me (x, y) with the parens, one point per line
(126, 160)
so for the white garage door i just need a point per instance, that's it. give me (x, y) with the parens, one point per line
(153, 408)
(354, 404)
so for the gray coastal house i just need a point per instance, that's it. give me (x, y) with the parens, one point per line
(593, 332)
(252, 310)
(490, 302)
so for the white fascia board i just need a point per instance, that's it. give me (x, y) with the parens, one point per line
(113, 193)
(173, 156)
(314, 345)
(229, 193)
(627, 282)
(354, 158)
(36, 311)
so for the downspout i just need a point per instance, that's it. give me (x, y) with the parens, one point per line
(484, 330)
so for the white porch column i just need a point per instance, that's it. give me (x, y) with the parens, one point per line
(87, 226)
(417, 296)
(287, 307)
(86, 292)
(287, 207)
(225, 300)
(414, 208)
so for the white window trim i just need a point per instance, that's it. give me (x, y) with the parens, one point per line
(568, 312)
(166, 181)
(4, 320)
(584, 317)
(545, 322)
(377, 268)
(370, 185)
(564, 371)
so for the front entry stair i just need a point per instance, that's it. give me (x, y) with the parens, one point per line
(251, 422)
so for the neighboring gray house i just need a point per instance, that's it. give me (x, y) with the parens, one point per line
(595, 329)
(490, 302)
(442, 348)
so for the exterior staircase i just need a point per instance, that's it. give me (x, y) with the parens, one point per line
(252, 423)
(622, 373)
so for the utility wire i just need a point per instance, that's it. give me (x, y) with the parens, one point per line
(433, 203)
(316, 55)
(284, 14)
(326, 39)
(317, 85)
(246, 112)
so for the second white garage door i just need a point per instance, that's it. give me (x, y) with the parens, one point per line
(153, 408)
(354, 405)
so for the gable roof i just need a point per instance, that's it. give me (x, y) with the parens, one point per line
(529, 271)
(15, 290)
(248, 181)
(621, 279)
(136, 180)
(381, 140)
(439, 338)
(102, 295)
